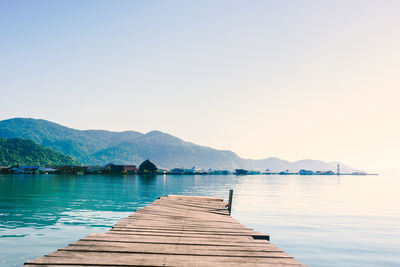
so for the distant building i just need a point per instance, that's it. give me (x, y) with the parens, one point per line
(15, 170)
(47, 170)
(284, 172)
(241, 172)
(130, 169)
(195, 170)
(70, 169)
(177, 171)
(147, 167)
(162, 171)
(95, 170)
(27, 170)
(121, 169)
(23, 169)
(358, 173)
(306, 172)
(3, 169)
(309, 172)
(198, 170)
(219, 172)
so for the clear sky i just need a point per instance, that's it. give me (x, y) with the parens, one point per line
(289, 79)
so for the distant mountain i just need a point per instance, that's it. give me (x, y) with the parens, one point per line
(130, 147)
(26, 152)
(175, 153)
(72, 142)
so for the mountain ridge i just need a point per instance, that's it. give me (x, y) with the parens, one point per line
(132, 147)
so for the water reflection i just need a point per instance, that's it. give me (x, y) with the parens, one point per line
(314, 218)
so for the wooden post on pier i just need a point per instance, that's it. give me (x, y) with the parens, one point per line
(230, 201)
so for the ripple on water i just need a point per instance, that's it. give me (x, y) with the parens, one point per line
(353, 220)
(4, 236)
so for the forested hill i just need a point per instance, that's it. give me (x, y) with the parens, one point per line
(18, 151)
(99, 147)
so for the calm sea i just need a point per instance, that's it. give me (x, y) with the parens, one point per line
(320, 220)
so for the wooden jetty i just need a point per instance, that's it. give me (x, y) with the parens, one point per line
(173, 231)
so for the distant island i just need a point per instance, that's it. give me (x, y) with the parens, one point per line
(100, 147)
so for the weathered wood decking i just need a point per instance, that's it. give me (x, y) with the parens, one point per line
(173, 231)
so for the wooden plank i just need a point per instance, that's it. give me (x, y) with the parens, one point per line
(173, 250)
(159, 218)
(209, 237)
(150, 246)
(173, 231)
(182, 230)
(145, 221)
(93, 258)
(203, 264)
(172, 221)
(187, 231)
(166, 225)
(197, 198)
(174, 240)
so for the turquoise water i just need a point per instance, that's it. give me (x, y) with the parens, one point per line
(320, 220)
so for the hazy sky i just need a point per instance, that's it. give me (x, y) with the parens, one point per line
(290, 79)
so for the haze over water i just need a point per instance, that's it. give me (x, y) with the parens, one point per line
(320, 220)
(289, 79)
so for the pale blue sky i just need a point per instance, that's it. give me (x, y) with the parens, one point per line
(292, 79)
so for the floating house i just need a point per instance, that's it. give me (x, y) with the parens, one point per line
(70, 169)
(130, 169)
(15, 170)
(121, 169)
(3, 169)
(47, 170)
(27, 170)
(23, 169)
(95, 170)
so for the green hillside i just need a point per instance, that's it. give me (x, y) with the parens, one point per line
(129, 147)
(26, 152)
(101, 147)
(76, 143)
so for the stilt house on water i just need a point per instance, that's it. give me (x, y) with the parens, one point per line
(147, 167)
